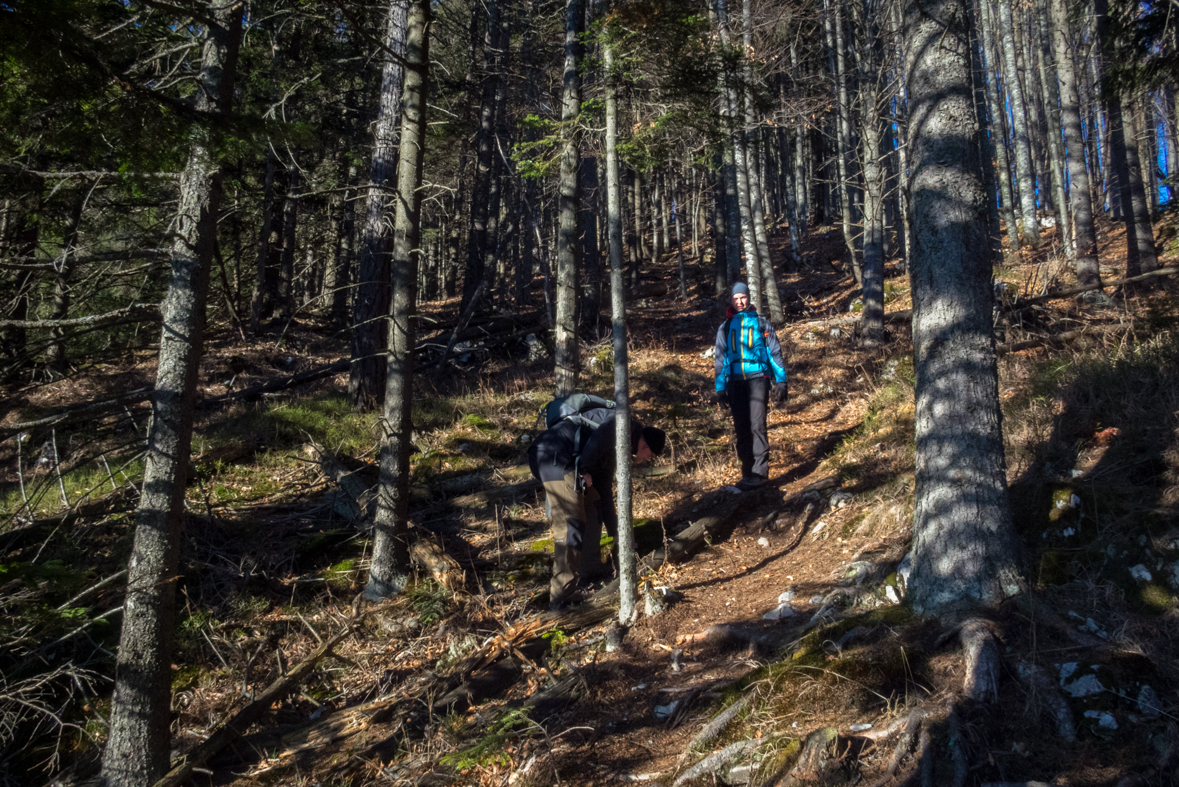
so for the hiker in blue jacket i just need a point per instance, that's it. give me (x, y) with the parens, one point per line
(575, 462)
(748, 361)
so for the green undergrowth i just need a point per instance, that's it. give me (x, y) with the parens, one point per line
(883, 446)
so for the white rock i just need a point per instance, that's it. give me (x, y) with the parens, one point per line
(763, 542)
(818, 528)
(1148, 702)
(891, 594)
(816, 599)
(709, 353)
(663, 711)
(525, 439)
(779, 612)
(1140, 573)
(785, 597)
(840, 499)
(1085, 686)
(860, 727)
(1104, 720)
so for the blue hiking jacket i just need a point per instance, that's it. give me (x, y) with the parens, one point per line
(748, 349)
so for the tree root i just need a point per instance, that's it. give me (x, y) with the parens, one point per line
(1041, 684)
(715, 727)
(715, 762)
(913, 723)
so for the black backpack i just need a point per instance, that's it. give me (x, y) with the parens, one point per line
(571, 407)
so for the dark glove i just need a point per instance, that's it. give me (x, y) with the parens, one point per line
(722, 398)
(779, 393)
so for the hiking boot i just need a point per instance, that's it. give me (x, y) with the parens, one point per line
(751, 481)
(570, 600)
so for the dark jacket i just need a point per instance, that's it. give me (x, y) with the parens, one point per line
(570, 446)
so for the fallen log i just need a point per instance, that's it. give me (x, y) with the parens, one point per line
(1070, 291)
(241, 721)
(357, 502)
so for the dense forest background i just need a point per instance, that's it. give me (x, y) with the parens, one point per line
(405, 206)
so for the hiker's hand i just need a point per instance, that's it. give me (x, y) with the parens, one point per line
(722, 398)
(779, 393)
(587, 481)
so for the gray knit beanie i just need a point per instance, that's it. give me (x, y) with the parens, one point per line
(740, 289)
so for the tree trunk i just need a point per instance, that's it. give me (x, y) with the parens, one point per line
(836, 57)
(752, 161)
(390, 564)
(965, 549)
(342, 282)
(566, 361)
(1084, 237)
(1051, 92)
(1139, 211)
(262, 300)
(55, 354)
(137, 750)
(1025, 175)
(628, 584)
(870, 62)
(998, 126)
(370, 306)
(287, 284)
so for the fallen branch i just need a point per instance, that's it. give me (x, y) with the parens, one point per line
(144, 310)
(241, 721)
(77, 411)
(1095, 286)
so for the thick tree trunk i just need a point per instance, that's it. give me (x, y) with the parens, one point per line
(566, 358)
(390, 564)
(965, 549)
(720, 226)
(137, 750)
(1084, 237)
(1025, 174)
(370, 306)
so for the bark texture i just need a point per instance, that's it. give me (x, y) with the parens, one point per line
(965, 547)
(139, 743)
(390, 563)
(371, 303)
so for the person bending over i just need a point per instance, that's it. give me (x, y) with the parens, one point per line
(575, 462)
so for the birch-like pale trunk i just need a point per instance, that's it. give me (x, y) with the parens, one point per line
(627, 558)
(566, 359)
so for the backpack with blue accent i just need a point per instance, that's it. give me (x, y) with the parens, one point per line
(571, 408)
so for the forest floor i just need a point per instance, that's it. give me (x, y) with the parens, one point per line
(786, 614)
